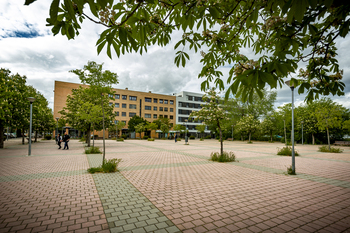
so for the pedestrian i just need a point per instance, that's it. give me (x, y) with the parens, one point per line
(175, 137)
(66, 140)
(59, 140)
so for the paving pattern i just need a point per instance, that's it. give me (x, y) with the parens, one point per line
(170, 187)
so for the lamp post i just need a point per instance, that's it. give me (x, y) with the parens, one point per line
(232, 132)
(57, 129)
(293, 153)
(186, 139)
(31, 100)
(302, 133)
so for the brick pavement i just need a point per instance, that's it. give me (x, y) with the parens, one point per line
(168, 187)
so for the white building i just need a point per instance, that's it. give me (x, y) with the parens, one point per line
(186, 102)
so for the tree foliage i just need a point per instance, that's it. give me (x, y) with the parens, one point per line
(247, 124)
(283, 33)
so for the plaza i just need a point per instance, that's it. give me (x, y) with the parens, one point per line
(165, 186)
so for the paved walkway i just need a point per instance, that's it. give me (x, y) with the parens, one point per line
(168, 187)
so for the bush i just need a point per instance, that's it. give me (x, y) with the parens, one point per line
(150, 139)
(145, 137)
(113, 138)
(287, 150)
(93, 150)
(192, 137)
(120, 140)
(178, 139)
(201, 139)
(107, 167)
(124, 136)
(290, 170)
(208, 137)
(225, 157)
(48, 137)
(333, 149)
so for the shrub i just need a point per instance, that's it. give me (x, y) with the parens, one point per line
(120, 140)
(208, 137)
(290, 170)
(82, 139)
(178, 139)
(225, 157)
(124, 136)
(150, 139)
(287, 150)
(107, 167)
(48, 137)
(93, 150)
(192, 137)
(113, 138)
(145, 137)
(201, 139)
(333, 149)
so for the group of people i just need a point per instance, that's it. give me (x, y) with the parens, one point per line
(65, 139)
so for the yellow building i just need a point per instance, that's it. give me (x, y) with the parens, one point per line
(127, 103)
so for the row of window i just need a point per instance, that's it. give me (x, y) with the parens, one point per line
(155, 116)
(124, 97)
(155, 108)
(195, 98)
(189, 105)
(161, 101)
(187, 119)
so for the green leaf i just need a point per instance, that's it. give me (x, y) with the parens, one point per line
(214, 12)
(54, 10)
(123, 36)
(109, 50)
(28, 2)
(100, 47)
(70, 9)
(71, 31)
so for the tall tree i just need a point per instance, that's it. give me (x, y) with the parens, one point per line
(248, 124)
(212, 113)
(201, 129)
(135, 120)
(283, 33)
(120, 125)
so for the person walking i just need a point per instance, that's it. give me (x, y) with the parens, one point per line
(59, 140)
(66, 140)
(175, 137)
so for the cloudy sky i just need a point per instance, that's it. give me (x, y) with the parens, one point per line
(28, 47)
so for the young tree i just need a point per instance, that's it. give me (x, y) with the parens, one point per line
(134, 121)
(120, 125)
(201, 129)
(151, 126)
(283, 33)
(180, 128)
(268, 126)
(212, 113)
(248, 124)
(164, 128)
(139, 128)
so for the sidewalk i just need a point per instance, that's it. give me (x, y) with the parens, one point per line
(171, 187)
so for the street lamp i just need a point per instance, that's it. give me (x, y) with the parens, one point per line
(31, 100)
(302, 133)
(293, 153)
(57, 130)
(186, 139)
(232, 132)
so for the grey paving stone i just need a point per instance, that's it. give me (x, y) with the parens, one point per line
(129, 227)
(150, 228)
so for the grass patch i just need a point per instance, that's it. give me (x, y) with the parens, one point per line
(150, 139)
(225, 157)
(287, 151)
(333, 149)
(290, 170)
(202, 139)
(179, 139)
(108, 166)
(93, 150)
(120, 140)
(249, 142)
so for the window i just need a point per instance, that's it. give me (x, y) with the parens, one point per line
(148, 108)
(133, 98)
(160, 116)
(124, 97)
(115, 121)
(148, 99)
(123, 105)
(132, 106)
(155, 108)
(189, 97)
(110, 103)
(110, 95)
(147, 115)
(116, 105)
(160, 108)
(198, 99)
(155, 100)
(171, 101)
(131, 114)
(171, 117)
(155, 116)
(160, 101)
(165, 101)
(117, 113)
(165, 116)
(171, 110)
(165, 109)
(117, 96)
(124, 114)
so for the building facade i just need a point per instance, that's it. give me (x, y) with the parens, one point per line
(126, 103)
(187, 102)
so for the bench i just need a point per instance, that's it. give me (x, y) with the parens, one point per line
(342, 143)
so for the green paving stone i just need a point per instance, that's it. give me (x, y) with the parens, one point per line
(162, 219)
(116, 213)
(111, 225)
(112, 219)
(150, 228)
(170, 223)
(161, 231)
(131, 220)
(119, 208)
(151, 221)
(145, 212)
(120, 223)
(136, 210)
(139, 230)
(172, 229)
(162, 225)
(116, 229)
(129, 227)
(126, 211)
(134, 215)
(141, 218)
(141, 224)
(152, 216)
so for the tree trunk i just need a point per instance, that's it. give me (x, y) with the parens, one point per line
(36, 136)
(23, 136)
(271, 136)
(313, 139)
(329, 142)
(1, 136)
(249, 136)
(88, 133)
(221, 145)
